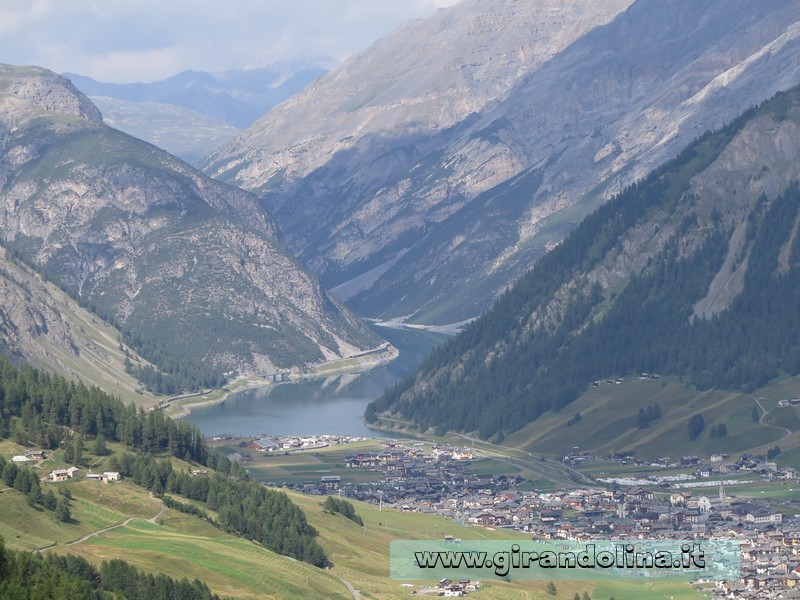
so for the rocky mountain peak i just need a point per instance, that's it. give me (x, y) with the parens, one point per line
(427, 75)
(189, 268)
(47, 91)
(447, 174)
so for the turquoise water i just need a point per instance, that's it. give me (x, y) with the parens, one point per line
(334, 406)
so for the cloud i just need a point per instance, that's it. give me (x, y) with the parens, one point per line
(118, 40)
(158, 63)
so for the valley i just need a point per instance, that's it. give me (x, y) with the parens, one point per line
(523, 272)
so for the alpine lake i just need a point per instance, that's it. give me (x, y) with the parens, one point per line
(333, 405)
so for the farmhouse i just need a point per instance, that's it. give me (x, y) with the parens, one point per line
(62, 474)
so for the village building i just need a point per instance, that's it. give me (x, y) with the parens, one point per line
(62, 474)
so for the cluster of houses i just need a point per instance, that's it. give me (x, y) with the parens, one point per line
(454, 589)
(789, 402)
(70, 472)
(291, 443)
(397, 458)
(57, 475)
(440, 482)
(29, 455)
(746, 463)
(412, 478)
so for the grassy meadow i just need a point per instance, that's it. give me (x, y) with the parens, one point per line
(609, 421)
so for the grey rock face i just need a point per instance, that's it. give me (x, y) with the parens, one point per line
(181, 261)
(459, 205)
(47, 91)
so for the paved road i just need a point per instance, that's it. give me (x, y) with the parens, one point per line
(551, 470)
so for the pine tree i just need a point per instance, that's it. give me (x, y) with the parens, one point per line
(696, 427)
(77, 450)
(100, 448)
(10, 473)
(49, 500)
(62, 511)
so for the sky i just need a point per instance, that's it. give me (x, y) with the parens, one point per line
(126, 41)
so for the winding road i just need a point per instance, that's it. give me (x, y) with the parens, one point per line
(152, 519)
(98, 532)
(764, 413)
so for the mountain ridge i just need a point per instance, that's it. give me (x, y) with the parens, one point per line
(169, 255)
(455, 215)
(236, 97)
(687, 273)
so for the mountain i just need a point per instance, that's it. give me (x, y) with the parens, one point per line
(692, 272)
(236, 97)
(180, 131)
(189, 269)
(419, 184)
(42, 326)
(192, 113)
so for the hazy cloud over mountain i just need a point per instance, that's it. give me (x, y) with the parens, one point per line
(148, 40)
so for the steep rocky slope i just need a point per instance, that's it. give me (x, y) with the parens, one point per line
(189, 268)
(438, 209)
(692, 272)
(43, 326)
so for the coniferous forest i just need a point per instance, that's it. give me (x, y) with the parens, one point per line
(502, 372)
(51, 412)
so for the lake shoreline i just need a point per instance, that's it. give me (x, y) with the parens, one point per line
(181, 407)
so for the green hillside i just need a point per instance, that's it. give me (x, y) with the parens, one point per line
(609, 421)
(132, 526)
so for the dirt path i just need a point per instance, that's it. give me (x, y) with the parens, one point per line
(764, 413)
(153, 520)
(350, 587)
(98, 532)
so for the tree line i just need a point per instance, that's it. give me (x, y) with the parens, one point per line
(343, 507)
(47, 408)
(506, 369)
(49, 411)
